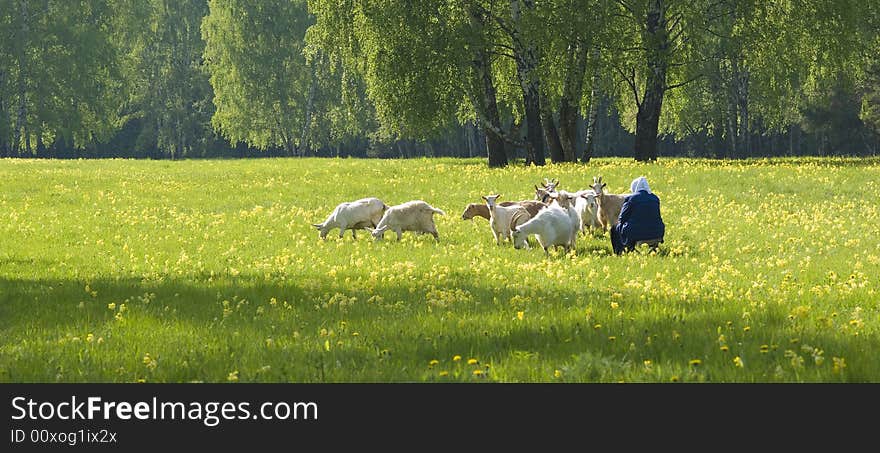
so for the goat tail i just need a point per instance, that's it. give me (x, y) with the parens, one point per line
(438, 211)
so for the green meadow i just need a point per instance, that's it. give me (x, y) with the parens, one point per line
(210, 271)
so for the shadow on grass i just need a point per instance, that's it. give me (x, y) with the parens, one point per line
(399, 332)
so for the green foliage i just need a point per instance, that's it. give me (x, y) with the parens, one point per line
(411, 56)
(167, 86)
(210, 271)
(176, 78)
(60, 69)
(254, 52)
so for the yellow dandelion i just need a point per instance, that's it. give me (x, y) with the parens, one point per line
(673, 379)
(764, 348)
(111, 306)
(746, 329)
(724, 348)
(695, 362)
(478, 373)
(597, 326)
(612, 338)
(839, 364)
(233, 376)
(472, 361)
(738, 362)
(614, 305)
(90, 337)
(444, 373)
(520, 315)
(456, 358)
(433, 362)
(557, 374)
(648, 363)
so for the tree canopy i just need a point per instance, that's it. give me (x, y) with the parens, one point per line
(529, 80)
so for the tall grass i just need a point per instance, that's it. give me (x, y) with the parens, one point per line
(210, 271)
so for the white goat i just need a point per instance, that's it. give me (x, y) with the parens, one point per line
(566, 201)
(609, 204)
(588, 210)
(551, 226)
(353, 215)
(413, 215)
(500, 217)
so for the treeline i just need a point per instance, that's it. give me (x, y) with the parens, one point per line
(552, 80)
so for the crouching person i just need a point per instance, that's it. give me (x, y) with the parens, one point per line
(639, 220)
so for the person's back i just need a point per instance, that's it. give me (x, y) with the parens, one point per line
(640, 218)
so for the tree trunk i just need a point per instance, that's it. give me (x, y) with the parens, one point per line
(470, 135)
(178, 138)
(590, 132)
(491, 120)
(648, 124)
(310, 100)
(484, 99)
(21, 120)
(569, 104)
(655, 38)
(731, 133)
(526, 58)
(4, 118)
(551, 134)
(742, 85)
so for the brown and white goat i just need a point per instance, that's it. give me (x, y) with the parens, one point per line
(609, 204)
(482, 210)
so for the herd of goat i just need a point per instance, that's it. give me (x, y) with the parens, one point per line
(554, 217)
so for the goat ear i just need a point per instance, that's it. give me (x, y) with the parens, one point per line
(484, 197)
(603, 185)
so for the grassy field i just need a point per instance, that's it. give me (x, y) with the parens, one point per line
(210, 271)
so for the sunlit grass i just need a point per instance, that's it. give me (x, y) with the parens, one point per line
(210, 271)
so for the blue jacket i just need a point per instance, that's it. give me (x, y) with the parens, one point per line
(640, 218)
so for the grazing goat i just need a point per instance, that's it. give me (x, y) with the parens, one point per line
(353, 215)
(482, 210)
(551, 226)
(609, 204)
(500, 217)
(415, 215)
